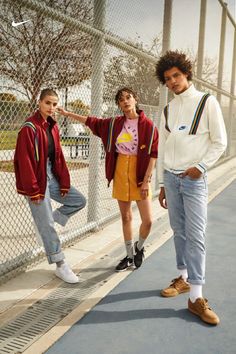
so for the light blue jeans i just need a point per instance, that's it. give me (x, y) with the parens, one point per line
(44, 217)
(187, 206)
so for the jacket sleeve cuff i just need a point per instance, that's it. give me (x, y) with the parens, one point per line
(64, 190)
(201, 167)
(36, 197)
(88, 120)
(154, 155)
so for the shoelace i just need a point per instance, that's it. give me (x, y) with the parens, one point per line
(204, 304)
(176, 281)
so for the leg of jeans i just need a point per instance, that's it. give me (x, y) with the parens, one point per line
(43, 218)
(176, 215)
(72, 202)
(195, 205)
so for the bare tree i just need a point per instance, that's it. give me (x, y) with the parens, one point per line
(133, 71)
(44, 52)
(124, 69)
(209, 67)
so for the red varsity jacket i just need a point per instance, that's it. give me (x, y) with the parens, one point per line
(30, 158)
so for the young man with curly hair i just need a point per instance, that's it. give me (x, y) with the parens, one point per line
(192, 138)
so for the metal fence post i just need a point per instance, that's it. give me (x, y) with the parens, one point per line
(201, 41)
(165, 46)
(96, 109)
(231, 137)
(222, 49)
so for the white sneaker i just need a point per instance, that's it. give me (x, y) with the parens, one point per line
(65, 273)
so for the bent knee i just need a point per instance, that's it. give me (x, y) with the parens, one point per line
(81, 203)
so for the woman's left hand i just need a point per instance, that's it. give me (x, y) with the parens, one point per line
(63, 194)
(144, 190)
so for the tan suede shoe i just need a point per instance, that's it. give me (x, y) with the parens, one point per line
(177, 286)
(201, 308)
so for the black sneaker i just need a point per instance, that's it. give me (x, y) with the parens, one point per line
(139, 255)
(124, 264)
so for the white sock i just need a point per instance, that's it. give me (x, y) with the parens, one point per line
(184, 274)
(195, 292)
(129, 248)
(140, 242)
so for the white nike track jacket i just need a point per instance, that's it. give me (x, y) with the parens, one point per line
(188, 138)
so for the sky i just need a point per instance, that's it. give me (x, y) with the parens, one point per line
(232, 7)
(122, 15)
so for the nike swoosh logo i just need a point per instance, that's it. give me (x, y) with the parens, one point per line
(15, 24)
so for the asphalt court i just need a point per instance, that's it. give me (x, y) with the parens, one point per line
(134, 318)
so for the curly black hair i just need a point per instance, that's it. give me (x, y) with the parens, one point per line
(173, 59)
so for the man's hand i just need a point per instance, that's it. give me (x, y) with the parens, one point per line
(192, 172)
(162, 198)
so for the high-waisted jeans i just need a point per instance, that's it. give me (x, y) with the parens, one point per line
(187, 205)
(44, 217)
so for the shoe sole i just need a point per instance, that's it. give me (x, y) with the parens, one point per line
(123, 270)
(197, 314)
(178, 293)
(69, 282)
(138, 266)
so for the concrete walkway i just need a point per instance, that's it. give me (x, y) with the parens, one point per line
(134, 319)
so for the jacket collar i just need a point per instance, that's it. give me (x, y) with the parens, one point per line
(42, 122)
(191, 91)
(141, 117)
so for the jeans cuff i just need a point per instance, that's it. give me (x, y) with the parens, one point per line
(196, 282)
(54, 258)
(181, 267)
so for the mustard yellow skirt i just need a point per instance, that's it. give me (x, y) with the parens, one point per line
(124, 181)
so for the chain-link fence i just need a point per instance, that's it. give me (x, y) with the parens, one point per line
(86, 50)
